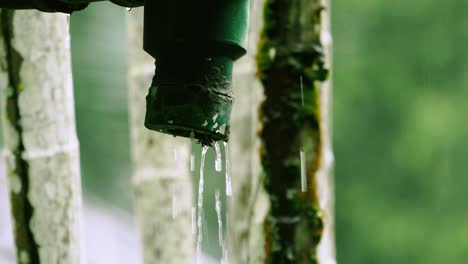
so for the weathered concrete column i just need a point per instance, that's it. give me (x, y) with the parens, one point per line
(41, 146)
(294, 67)
(160, 165)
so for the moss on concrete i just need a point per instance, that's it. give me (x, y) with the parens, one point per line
(290, 50)
(22, 209)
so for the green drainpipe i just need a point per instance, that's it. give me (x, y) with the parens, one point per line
(195, 44)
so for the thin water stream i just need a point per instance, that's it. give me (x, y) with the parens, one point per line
(228, 170)
(199, 223)
(218, 160)
(200, 206)
(222, 244)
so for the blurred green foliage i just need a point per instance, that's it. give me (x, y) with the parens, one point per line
(399, 131)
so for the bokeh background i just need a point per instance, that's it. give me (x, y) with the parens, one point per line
(400, 130)
(400, 125)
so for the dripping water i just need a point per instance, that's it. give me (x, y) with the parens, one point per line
(221, 242)
(228, 170)
(200, 205)
(303, 172)
(218, 161)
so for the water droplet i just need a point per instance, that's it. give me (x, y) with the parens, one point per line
(129, 9)
(303, 172)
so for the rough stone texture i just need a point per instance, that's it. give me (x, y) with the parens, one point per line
(7, 254)
(41, 146)
(157, 176)
(248, 208)
(294, 55)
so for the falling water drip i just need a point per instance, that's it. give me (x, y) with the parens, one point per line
(220, 229)
(228, 170)
(175, 154)
(303, 172)
(218, 161)
(200, 205)
(194, 222)
(302, 152)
